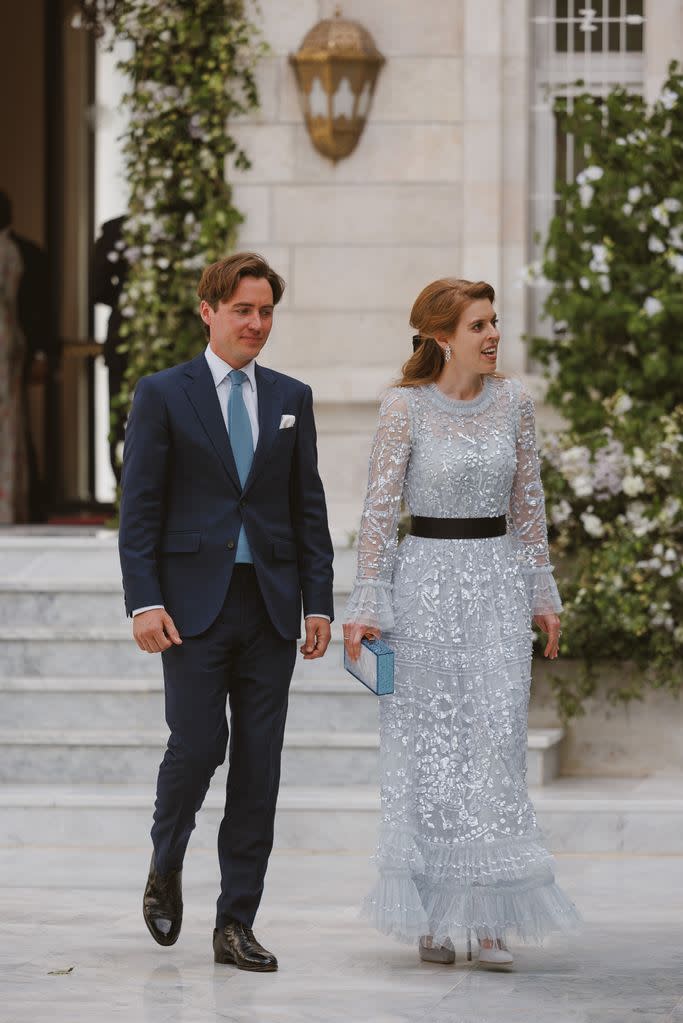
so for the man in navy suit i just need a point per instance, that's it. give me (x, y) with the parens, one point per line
(223, 531)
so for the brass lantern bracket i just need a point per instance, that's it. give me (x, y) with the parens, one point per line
(336, 68)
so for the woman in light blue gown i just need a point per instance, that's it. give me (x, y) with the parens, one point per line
(459, 849)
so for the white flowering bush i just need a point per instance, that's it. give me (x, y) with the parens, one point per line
(614, 258)
(191, 71)
(615, 513)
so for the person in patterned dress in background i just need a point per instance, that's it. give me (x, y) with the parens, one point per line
(13, 465)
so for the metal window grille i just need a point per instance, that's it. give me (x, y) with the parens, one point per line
(599, 42)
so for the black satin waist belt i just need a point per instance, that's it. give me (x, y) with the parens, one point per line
(457, 529)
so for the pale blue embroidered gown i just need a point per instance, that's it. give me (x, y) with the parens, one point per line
(458, 844)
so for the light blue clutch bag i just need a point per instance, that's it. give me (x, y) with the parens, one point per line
(375, 666)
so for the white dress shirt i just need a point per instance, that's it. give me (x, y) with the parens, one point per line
(220, 372)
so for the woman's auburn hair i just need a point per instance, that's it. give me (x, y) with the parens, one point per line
(437, 309)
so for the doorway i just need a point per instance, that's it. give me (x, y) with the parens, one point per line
(47, 89)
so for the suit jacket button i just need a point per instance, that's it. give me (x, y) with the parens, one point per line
(231, 544)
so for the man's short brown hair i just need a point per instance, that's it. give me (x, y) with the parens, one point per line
(219, 281)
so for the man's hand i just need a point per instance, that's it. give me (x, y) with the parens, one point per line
(154, 631)
(318, 635)
(354, 633)
(550, 624)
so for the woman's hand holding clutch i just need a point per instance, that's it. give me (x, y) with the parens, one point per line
(354, 633)
(550, 624)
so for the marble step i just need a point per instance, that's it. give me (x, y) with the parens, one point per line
(70, 603)
(597, 816)
(28, 554)
(67, 579)
(337, 705)
(61, 603)
(54, 552)
(308, 818)
(99, 651)
(132, 755)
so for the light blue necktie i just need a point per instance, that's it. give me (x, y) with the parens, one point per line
(242, 444)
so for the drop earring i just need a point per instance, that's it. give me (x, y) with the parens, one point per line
(447, 352)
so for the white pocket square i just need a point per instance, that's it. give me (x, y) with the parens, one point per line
(287, 421)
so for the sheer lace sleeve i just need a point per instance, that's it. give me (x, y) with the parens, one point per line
(526, 519)
(370, 601)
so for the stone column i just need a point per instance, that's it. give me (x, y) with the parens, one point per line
(482, 172)
(516, 113)
(495, 160)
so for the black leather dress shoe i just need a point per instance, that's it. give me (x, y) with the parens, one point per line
(162, 905)
(235, 943)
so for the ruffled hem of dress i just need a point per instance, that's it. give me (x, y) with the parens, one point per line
(397, 850)
(500, 861)
(494, 888)
(370, 604)
(406, 908)
(542, 592)
(394, 907)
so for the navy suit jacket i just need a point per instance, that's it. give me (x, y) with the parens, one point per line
(182, 503)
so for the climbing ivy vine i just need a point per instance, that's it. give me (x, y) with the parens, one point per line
(191, 72)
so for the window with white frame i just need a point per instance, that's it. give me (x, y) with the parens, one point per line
(599, 42)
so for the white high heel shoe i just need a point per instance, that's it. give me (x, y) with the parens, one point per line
(430, 953)
(498, 955)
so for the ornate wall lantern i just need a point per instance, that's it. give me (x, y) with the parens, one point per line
(336, 68)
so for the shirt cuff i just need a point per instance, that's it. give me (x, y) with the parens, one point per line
(312, 614)
(152, 607)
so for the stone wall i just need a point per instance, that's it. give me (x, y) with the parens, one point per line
(436, 187)
(635, 740)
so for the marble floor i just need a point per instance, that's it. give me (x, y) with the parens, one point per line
(73, 947)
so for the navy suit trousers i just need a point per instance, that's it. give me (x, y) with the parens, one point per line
(241, 660)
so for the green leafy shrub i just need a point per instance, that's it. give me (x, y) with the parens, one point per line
(615, 512)
(614, 259)
(191, 71)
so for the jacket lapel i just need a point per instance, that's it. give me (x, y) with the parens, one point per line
(201, 391)
(269, 414)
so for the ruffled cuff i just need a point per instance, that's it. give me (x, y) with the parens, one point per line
(542, 592)
(370, 604)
